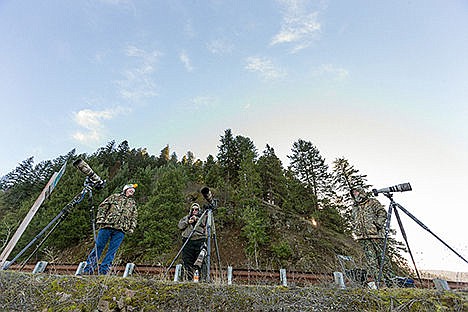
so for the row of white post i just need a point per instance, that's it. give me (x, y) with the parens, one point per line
(440, 284)
(41, 266)
(178, 275)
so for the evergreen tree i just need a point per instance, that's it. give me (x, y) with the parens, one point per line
(107, 156)
(193, 167)
(123, 150)
(345, 178)
(173, 159)
(211, 172)
(255, 225)
(309, 167)
(232, 152)
(164, 156)
(157, 232)
(272, 177)
(227, 155)
(298, 199)
(25, 180)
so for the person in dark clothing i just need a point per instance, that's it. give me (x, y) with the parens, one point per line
(195, 247)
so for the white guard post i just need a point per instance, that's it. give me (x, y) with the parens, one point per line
(40, 267)
(80, 268)
(441, 284)
(129, 269)
(178, 271)
(283, 279)
(339, 279)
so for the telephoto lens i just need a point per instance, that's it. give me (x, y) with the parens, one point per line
(403, 187)
(96, 180)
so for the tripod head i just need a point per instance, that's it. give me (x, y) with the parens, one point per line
(90, 185)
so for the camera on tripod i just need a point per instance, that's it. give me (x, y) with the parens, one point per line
(397, 188)
(212, 202)
(92, 179)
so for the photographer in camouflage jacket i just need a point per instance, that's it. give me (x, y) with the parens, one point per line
(196, 243)
(116, 215)
(369, 228)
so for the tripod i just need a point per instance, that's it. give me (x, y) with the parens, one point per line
(87, 189)
(393, 206)
(210, 234)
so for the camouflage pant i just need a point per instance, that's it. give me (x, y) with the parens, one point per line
(373, 251)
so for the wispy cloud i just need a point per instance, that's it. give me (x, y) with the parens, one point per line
(264, 67)
(138, 83)
(219, 46)
(331, 70)
(203, 101)
(300, 25)
(185, 59)
(92, 123)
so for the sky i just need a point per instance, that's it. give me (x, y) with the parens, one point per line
(383, 84)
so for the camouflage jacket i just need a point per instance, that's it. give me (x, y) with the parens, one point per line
(186, 227)
(369, 219)
(118, 212)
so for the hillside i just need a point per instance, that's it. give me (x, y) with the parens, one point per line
(296, 243)
(267, 216)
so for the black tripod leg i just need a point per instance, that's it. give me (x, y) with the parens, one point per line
(217, 251)
(403, 233)
(43, 240)
(93, 225)
(427, 229)
(61, 215)
(43, 231)
(208, 250)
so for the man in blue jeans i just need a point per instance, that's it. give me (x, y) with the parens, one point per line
(116, 215)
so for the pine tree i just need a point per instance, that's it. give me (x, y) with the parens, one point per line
(309, 167)
(157, 232)
(123, 151)
(272, 177)
(255, 225)
(25, 180)
(193, 167)
(345, 178)
(232, 152)
(298, 199)
(164, 156)
(211, 172)
(227, 155)
(107, 155)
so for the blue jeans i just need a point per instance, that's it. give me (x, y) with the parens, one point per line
(105, 235)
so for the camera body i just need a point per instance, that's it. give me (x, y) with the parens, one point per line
(212, 202)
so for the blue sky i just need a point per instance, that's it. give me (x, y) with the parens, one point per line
(381, 83)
